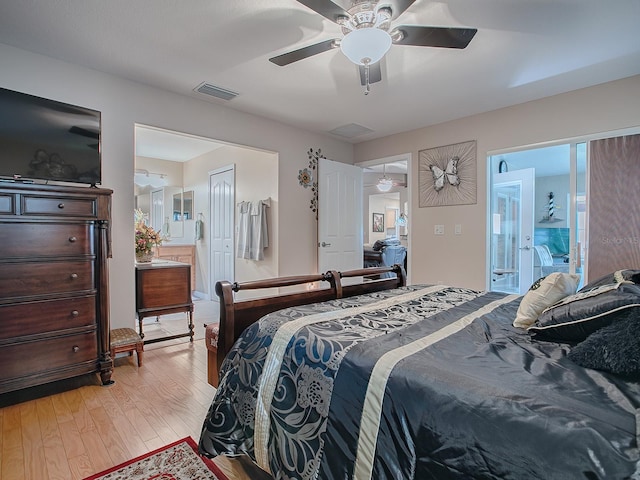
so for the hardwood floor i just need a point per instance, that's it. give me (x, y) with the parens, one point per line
(74, 433)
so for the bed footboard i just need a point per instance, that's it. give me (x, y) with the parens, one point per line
(237, 315)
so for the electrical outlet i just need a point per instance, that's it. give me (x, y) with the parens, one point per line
(438, 229)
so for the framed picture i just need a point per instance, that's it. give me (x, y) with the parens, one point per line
(378, 222)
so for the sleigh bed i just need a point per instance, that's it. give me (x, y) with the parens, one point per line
(386, 381)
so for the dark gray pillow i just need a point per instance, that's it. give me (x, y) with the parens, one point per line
(618, 276)
(576, 316)
(614, 349)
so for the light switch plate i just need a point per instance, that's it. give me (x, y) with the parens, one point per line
(438, 229)
(458, 229)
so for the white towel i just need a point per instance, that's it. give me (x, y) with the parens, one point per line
(253, 236)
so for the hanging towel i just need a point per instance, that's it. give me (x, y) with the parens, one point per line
(199, 229)
(253, 236)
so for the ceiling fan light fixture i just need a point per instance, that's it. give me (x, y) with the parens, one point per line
(384, 184)
(365, 46)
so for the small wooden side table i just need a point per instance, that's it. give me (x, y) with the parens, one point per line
(163, 287)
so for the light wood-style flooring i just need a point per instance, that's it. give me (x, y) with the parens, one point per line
(75, 432)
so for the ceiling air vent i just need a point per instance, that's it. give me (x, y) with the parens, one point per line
(213, 91)
(351, 130)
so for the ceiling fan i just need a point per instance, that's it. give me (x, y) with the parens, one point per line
(368, 34)
(384, 183)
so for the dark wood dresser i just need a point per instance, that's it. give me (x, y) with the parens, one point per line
(54, 297)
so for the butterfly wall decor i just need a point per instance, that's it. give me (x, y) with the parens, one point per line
(447, 175)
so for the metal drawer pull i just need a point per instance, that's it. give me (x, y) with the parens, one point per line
(61, 205)
(72, 239)
(74, 276)
(76, 349)
(74, 313)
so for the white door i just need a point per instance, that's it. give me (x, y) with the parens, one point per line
(222, 221)
(340, 235)
(512, 209)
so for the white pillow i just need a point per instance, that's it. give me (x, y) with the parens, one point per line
(544, 293)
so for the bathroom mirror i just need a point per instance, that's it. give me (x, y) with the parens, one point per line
(177, 207)
(187, 205)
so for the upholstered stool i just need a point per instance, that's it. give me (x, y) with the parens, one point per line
(211, 333)
(126, 340)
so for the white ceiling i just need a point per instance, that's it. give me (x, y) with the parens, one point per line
(177, 147)
(524, 50)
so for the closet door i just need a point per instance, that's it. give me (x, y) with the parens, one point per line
(614, 205)
(222, 198)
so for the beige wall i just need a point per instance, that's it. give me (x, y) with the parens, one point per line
(378, 203)
(123, 104)
(450, 259)
(460, 259)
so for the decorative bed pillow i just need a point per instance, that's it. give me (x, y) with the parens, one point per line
(544, 293)
(616, 277)
(614, 348)
(575, 317)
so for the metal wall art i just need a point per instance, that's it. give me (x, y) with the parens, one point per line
(448, 175)
(306, 178)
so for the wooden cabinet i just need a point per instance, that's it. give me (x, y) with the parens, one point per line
(180, 253)
(54, 299)
(163, 288)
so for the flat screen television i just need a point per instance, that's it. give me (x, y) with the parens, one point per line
(41, 139)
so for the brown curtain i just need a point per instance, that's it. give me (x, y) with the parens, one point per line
(614, 205)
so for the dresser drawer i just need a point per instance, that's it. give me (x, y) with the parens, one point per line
(32, 239)
(59, 206)
(30, 318)
(31, 358)
(7, 204)
(41, 278)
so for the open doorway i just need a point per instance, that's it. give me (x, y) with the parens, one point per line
(180, 165)
(386, 215)
(537, 215)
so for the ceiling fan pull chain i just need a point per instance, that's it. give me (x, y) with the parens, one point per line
(366, 79)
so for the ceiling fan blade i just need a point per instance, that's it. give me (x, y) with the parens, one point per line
(375, 74)
(447, 37)
(399, 6)
(304, 52)
(326, 8)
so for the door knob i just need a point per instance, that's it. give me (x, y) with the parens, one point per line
(325, 244)
(526, 247)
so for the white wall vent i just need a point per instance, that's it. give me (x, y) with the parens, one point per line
(213, 91)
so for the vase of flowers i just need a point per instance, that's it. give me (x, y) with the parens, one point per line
(146, 238)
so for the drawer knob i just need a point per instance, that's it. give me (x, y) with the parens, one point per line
(76, 349)
(61, 205)
(72, 239)
(74, 276)
(74, 313)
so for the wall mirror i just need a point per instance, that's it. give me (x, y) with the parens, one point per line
(166, 207)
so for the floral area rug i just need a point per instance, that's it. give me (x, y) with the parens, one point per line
(176, 461)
